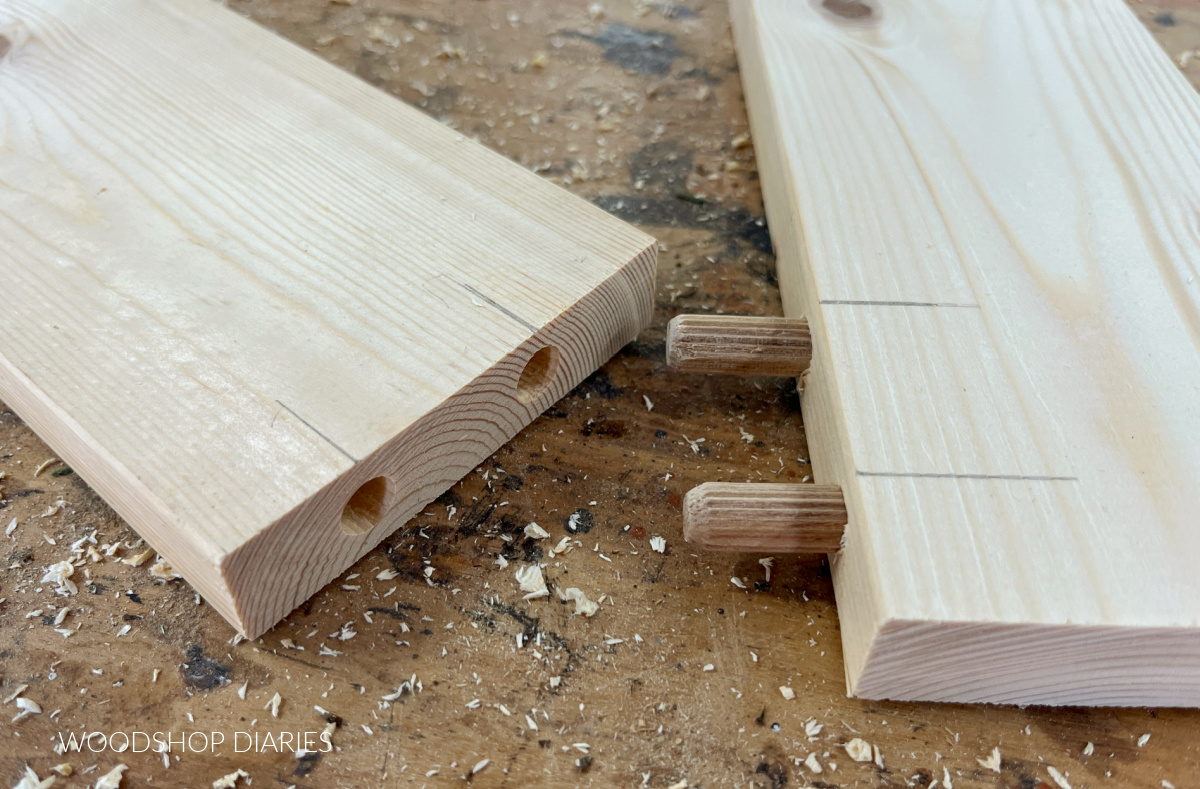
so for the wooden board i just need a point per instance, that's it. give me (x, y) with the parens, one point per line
(987, 212)
(267, 311)
(599, 443)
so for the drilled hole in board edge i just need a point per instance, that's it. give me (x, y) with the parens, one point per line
(364, 510)
(537, 375)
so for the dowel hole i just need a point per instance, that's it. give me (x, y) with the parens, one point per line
(537, 375)
(364, 510)
(848, 9)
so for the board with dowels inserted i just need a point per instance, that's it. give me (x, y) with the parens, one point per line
(266, 310)
(986, 213)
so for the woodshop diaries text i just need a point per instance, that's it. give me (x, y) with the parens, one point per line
(298, 742)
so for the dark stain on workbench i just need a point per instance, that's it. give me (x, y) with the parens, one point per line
(634, 49)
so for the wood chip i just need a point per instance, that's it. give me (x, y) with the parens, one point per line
(992, 762)
(789, 694)
(859, 750)
(582, 604)
(230, 781)
(112, 778)
(20, 689)
(1058, 777)
(531, 581)
(535, 532)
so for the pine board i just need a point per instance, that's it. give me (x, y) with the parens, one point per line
(239, 284)
(988, 213)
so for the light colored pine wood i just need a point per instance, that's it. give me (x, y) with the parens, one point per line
(987, 213)
(738, 345)
(267, 311)
(752, 517)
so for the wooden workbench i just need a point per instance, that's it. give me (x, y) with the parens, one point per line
(638, 107)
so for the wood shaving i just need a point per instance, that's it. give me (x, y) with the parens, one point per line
(20, 689)
(680, 784)
(409, 686)
(273, 705)
(386, 575)
(737, 582)
(946, 782)
(163, 571)
(767, 562)
(709, 667)
(30, 780)
(859, 750)
(992, 762)
(789, 694)
(1058, 777)
(1145, 738)
(1089, 749)
(812, 728)
(112, 778)
(812, 764)
(12, 527)
(64, 769)
(45, 465)
(139, 559)
(479, 767)
(535, 532)
(229, 781)
(582, 604)
(26, 708)
(531, 581)
(649, 403)
(60, 574)
(658, 544)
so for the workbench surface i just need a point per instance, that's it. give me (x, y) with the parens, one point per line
(676, 678)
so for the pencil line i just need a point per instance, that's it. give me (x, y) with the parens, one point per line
(318, 432)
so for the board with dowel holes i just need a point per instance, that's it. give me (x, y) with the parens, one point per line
(987, 213)
(266, 310)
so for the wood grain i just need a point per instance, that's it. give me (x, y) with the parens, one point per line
(242, 283)
(987, 213)
(751, 517)
(738, 345)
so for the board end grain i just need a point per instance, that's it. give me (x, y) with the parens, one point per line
(738, 345)
(751, 517)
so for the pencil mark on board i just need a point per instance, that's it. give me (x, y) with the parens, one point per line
(859, 303)
(332, 443)
(505, 310)
(936, 475)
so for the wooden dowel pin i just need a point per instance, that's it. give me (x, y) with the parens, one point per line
(752, 517)
(738, 345)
